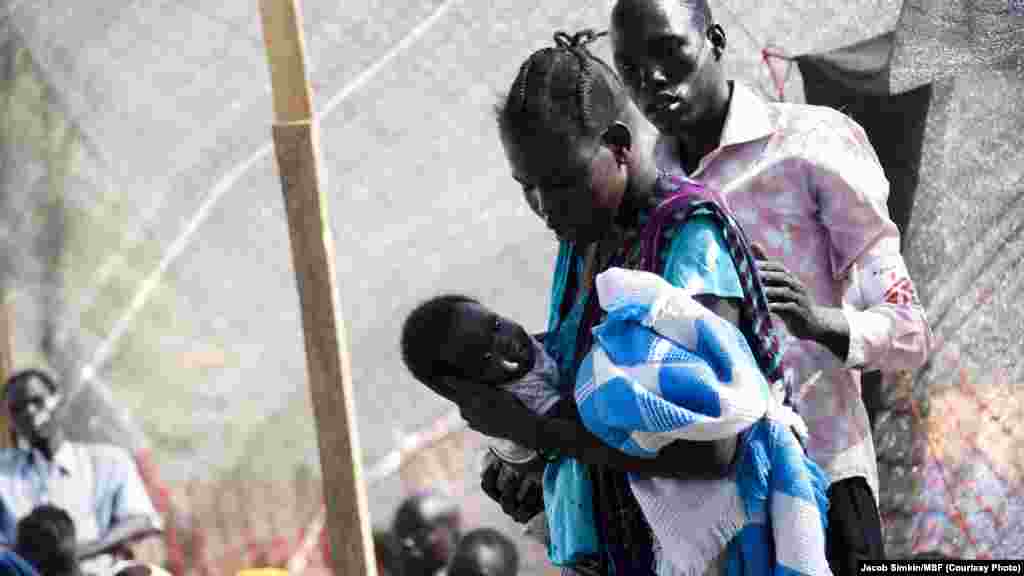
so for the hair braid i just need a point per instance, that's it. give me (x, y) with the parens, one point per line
(593, 91)
(577, 45)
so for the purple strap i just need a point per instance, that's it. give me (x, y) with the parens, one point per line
(651, 235)
(687, 196)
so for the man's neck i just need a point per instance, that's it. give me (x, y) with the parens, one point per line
(705, 137)
(48, 447)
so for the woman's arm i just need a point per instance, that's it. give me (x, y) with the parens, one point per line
(497, 413)
(680, 459)
(728, 308)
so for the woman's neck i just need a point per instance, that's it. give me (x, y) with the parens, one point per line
(637, 203)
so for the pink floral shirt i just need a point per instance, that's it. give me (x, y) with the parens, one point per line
(806, 185)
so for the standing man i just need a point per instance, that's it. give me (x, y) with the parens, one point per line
(98, 485)
(808, 188)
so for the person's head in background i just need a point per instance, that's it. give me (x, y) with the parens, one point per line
(427, 526)
(669, 54)
(32, 398)
(485, 552)
(47, 540)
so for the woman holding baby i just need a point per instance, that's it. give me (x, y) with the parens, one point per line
(584, 156)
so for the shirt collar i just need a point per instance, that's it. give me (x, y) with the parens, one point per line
(64, 457)
(749, 117)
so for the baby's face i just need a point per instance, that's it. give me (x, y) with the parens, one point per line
(491, 346)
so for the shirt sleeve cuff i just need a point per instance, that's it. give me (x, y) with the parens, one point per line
(856, 355)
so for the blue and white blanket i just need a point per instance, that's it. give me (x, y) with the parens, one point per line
(665, 368)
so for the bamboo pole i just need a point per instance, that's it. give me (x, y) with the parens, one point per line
(6, 362)
(296, 143)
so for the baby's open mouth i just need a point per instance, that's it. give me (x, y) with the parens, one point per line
(516, 356)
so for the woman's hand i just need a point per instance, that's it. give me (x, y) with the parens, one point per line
(496, 413)
(519, 492)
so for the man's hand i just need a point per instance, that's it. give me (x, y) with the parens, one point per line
(495, 413)
(789, 298)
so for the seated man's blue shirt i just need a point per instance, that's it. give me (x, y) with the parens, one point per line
(96, 484)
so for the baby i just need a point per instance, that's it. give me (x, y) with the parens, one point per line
(456, 336)
(663, 368)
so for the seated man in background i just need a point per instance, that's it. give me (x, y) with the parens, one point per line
(97, 485)
(46, 539)
(485, 552)
(428, 527)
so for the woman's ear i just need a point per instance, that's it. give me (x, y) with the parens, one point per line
(619, 139)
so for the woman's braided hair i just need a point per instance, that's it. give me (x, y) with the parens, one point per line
(549, 75)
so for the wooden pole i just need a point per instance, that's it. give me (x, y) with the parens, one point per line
(6, 362)
(296, 143)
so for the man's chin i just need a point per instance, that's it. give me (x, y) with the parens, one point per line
(677, 126)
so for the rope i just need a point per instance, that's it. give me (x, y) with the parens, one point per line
(767, 54)
(298, 562)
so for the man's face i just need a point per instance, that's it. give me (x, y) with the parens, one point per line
(32, 406)
(667, 63)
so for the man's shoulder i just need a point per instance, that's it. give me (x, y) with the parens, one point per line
(809, 118)
(102, 453)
